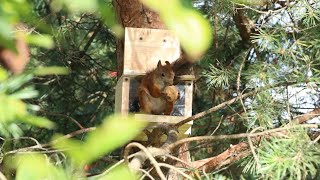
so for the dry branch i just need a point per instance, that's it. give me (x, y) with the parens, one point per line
(307, 116)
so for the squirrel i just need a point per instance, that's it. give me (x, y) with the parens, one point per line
(154, 97)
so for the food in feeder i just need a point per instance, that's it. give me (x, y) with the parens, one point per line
(170, 95)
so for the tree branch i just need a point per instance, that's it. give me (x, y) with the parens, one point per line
(236, 136)
(307, 116)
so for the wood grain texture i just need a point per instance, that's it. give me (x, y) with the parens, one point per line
(145, 47)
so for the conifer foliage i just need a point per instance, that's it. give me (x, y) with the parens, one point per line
(256, 94)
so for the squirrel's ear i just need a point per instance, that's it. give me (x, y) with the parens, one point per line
(159, 64)
(167, 62)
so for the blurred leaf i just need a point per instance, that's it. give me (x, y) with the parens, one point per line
(183, 20)
(25, 93)
(73, 148)
(3, 75)
(13, 130)
(41, 40)
(113, 133)
(56, 70)
(37, 121)
(6, 37)
(75, 5)
(6, 31)
(108, 16)
(34, 166)
(15, 82)
(10, 108)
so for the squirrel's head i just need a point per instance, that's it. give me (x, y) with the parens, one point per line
(165, 73)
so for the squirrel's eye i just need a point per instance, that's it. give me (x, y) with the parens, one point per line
(162, 74)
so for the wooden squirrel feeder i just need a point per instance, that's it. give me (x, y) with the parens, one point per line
(143, 48)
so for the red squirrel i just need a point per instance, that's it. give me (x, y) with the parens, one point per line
(152, 97)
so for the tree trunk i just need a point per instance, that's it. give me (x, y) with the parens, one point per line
(131, 13)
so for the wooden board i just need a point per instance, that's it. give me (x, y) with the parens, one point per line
(122, 95)
(188, 98)
(143, 48)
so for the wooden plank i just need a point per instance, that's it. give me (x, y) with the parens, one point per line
(188, 98)
(145, 47)
(185, 78)
(122, 95)
(118, 96)
(159, 118)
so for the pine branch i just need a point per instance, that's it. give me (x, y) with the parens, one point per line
(228, 103)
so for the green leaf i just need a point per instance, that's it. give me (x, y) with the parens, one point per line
(41, 40)
(14, 83)
(73, 148)
(37, 121)
(43, 71)
(109, 18)
(3, 75)
(25, 93)
(113, 133)
(6, 35)
(34, 166)
(10, 108)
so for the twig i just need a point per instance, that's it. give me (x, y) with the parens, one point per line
(236, 136)
(179, 160)
(204, 173)
(176, 169)
(146, 173)
(217, 126)
(70, 135)
(238, 80)
(109, 169)
(316, 140)
(148, 155)
(64, 116)
(219, 170)
(215, 26)
(94, 34)
(213, 109)
(252, 148)
(307, 116)
(81, 131)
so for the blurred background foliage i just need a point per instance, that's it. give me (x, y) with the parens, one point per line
(80, 35)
